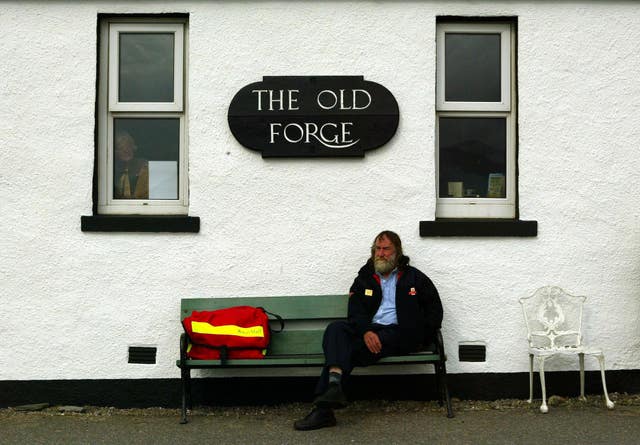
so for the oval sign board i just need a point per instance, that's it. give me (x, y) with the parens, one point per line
(307, 116)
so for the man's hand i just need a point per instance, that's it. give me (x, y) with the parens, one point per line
(372, 341)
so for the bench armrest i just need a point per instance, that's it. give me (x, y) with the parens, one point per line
(184, 342)
(440, 345)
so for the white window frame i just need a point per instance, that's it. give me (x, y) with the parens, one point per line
(109, 108)
(115, 29)
(479, 207)
(505, 66)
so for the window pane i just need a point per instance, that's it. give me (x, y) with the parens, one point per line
(146, 67)
(472, 157)
(146, 158)
(472, 67)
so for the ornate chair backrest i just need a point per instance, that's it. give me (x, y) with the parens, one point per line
(553, 318)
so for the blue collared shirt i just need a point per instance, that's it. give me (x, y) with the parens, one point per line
(386, 314)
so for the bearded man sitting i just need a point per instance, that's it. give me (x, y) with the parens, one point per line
(393, 309)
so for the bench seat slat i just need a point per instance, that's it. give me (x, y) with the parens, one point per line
(290, 360)
(304, 360)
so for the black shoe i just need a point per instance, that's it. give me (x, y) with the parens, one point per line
(332, 398)
(316, 419)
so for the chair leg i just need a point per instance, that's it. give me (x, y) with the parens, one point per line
(581, 355)
(530, 378)
(610, 404)
(543, 408)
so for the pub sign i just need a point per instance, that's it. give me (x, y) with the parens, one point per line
(313, 116)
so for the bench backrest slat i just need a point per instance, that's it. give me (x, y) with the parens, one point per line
(306, 307)
(305, 318)
(296, 342)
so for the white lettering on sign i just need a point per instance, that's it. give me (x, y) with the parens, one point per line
(330, 134)
(277, 97)
(359, 100)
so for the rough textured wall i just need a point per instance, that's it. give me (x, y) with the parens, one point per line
(73, 302)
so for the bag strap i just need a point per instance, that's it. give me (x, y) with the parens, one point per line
(224, 355)
(279, 318)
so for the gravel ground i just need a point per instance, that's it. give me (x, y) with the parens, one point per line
(620, 399)
(569, 421)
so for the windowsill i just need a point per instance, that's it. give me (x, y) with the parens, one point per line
(479, 227)
(140, 223)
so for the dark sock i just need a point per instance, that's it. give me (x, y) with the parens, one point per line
(335, 377)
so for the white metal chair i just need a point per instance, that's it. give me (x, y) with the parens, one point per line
(554, 326)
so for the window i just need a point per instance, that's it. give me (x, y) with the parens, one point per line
(475, 120)
(142, 151)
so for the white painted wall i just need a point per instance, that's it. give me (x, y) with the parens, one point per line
(73, 302)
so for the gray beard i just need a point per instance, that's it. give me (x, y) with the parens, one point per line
(382, 266)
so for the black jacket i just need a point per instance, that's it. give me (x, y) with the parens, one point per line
(418, 305)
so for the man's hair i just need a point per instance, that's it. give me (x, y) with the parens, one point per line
(123, 137)
(395, 240)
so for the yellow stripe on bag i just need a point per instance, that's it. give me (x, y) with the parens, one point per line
(202, 327)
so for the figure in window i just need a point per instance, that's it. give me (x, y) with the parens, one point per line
(130, 173)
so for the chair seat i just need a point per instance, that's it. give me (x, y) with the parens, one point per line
(567, 350)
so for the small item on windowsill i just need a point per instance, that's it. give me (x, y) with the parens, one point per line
(455, 189)
(496, 186)
(471, 193)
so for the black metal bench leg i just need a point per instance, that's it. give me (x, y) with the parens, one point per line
(189, 401)
(186, 392)
(439, 384)
(445, 387)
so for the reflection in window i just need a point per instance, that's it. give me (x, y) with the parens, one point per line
(146, 67)
(146, 158)
(472, 67)
(472, 157)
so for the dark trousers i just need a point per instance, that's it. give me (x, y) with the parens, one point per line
(345, 349)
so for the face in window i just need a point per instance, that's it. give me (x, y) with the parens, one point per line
(125, 147)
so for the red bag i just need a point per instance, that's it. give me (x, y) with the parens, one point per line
(240, 332)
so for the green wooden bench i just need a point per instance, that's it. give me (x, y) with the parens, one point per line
(300, 344)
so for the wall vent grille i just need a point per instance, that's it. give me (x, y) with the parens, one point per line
(142, 354)
(472, 353)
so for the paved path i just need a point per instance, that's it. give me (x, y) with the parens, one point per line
(361, 423)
